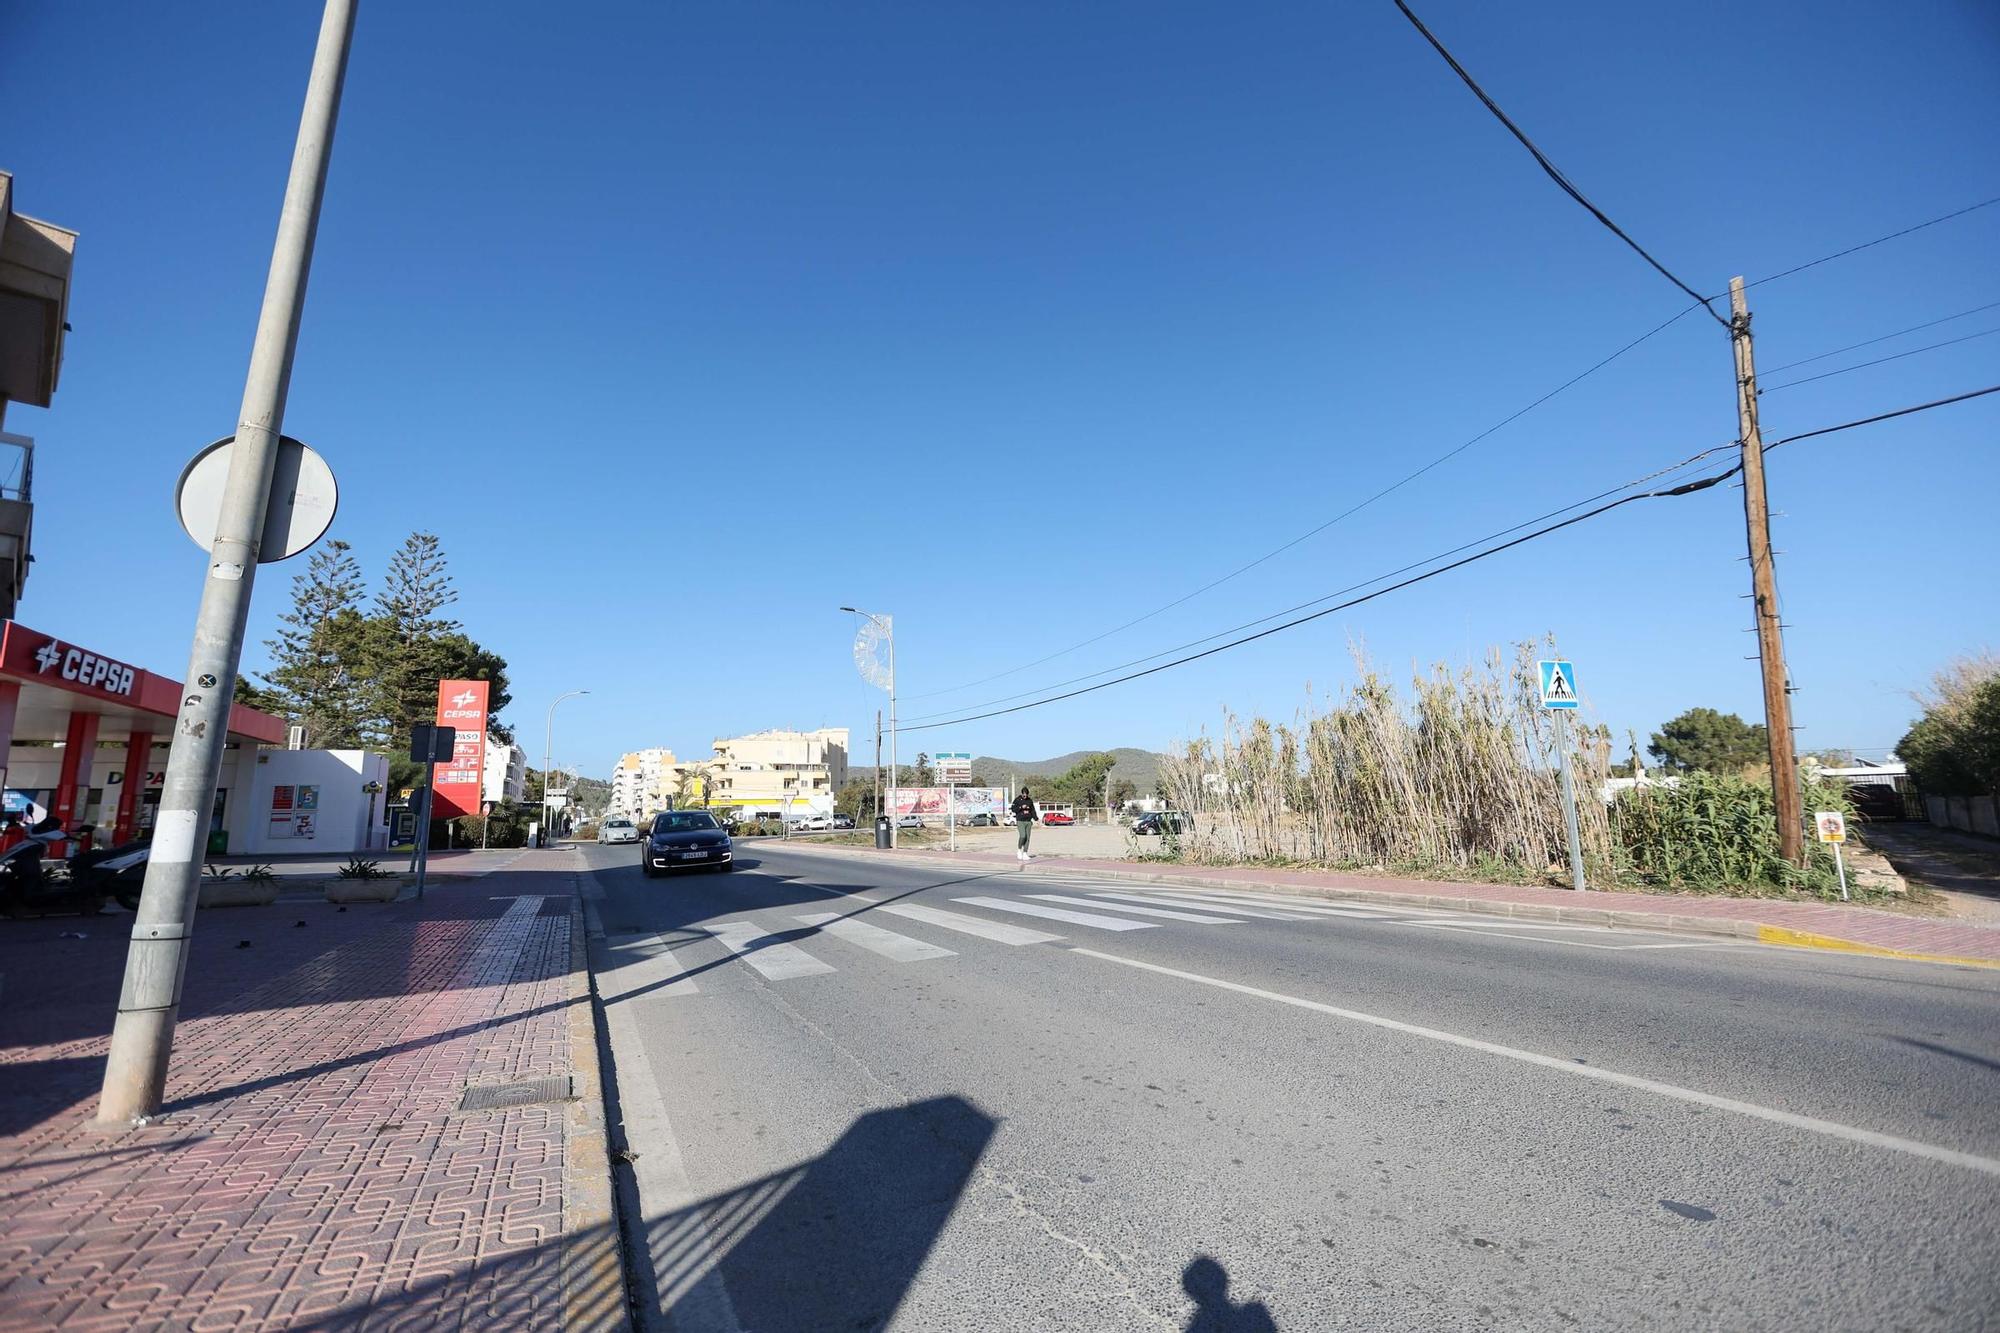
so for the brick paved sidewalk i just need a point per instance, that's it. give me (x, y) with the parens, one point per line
(1818, 925)
(312, 1168)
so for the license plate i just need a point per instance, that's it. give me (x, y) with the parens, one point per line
(691, 856)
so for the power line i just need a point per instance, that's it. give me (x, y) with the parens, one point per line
(1686, 488)
(1352, 587)
(1870, 342)
(1885, 416)
(1869, 245)
(1880, 360)
(1314, 532)
(1554, 172)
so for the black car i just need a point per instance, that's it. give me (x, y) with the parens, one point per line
(1163, 822)
(685, 840)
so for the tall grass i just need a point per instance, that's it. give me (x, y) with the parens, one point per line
(1461, 777)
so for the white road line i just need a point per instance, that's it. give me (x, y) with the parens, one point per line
(1833, 1129)
(1293, 902)
(1261, 913)
(1094, 920)
(1470, 929)
(696, 1292)
(969, 925)
(1514, 923)
(899, 948)
(778, 962)
(1283, 905)
(655, 972)
(1168, 913)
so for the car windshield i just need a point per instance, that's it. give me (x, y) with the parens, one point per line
(684, 821)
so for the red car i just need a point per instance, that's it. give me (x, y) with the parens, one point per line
(1055, 817)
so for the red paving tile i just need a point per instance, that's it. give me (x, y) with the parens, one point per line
(312, 1168)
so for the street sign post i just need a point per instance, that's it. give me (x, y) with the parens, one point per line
(954, 771)
(430, 745)
(1831, 826)
(1558, 680)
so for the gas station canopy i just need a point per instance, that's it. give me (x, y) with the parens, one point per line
(52, 680)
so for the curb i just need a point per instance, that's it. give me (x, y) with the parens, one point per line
(1754, 932)
(593, 1255)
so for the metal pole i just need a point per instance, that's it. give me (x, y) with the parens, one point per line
(548, 745)
(1569, 803)
(135, 1071)
(1840, 867)
(424, 829)
(894, 775)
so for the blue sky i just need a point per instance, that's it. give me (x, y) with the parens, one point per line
(685, 325)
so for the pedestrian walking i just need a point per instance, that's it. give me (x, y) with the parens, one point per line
(1024, 824)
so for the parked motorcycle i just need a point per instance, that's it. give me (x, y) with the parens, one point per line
(30, 888)
(118, 872)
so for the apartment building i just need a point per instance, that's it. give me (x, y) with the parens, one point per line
(771, 772)
(643, 782)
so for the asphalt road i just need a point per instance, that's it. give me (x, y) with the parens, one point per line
(868, 1093)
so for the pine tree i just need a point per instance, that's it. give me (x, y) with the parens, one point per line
(415, 589)
(318, 669)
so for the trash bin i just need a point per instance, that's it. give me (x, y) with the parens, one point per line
(882, 831)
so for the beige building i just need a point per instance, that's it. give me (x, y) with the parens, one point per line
(761, 772)
(643, 782)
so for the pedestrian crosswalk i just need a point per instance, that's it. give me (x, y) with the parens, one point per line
(787, 946)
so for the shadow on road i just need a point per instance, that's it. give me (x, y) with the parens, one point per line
(833, 1243)
(1207, 1283)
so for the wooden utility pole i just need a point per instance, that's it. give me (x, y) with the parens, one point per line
(1764, 588)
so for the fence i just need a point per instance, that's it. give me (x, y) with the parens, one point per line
(1973, 814)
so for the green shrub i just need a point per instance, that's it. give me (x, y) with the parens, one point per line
(500, 829)
(1710, 832)
(356, 868)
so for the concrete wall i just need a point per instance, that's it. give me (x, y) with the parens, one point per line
(1973, 814)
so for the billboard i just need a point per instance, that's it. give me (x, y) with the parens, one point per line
(462, 705)
(929, 802)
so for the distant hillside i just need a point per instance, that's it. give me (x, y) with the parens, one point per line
(1142, 767)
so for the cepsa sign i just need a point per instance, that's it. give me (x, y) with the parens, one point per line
(461, 705)
(87, 669)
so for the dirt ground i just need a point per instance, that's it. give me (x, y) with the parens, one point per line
(1962, 868)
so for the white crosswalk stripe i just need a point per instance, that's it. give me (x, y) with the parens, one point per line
(644, 966)
(777, 961)
(1094, 920)
(896, 948)
(1181, 900)
(969, 925)
(1167, 913)
(1273, 903)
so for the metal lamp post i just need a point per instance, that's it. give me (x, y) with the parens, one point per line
(548, 744)
(889, 635)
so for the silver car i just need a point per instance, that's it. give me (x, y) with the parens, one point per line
(618, 830)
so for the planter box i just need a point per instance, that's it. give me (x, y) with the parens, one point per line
(237, 893)
(364, 890)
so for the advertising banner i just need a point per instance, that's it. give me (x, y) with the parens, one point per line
(462, 705)
(929, 802)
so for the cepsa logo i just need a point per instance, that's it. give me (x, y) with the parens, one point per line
(461, 708)
(99, 673)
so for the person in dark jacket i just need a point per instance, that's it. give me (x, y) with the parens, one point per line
(1024, 824)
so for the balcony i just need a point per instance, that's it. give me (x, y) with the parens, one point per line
(17, 517)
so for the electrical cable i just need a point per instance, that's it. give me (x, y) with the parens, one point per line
(1868, 245)
(1352, 587)
(1554, 173)
(1314, 532)
(1685, 488)
(1870, 342)
(1884, 416)
(1880, 360)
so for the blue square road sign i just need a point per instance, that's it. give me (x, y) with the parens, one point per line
(1558, 684)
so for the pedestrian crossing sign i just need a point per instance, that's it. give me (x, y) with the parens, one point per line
(1558, 684)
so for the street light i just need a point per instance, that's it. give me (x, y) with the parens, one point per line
(888, 629)
(548, 744)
